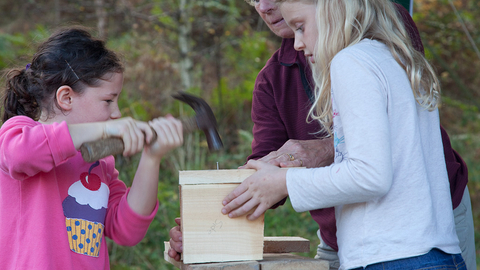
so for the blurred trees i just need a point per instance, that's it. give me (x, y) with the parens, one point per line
(445, 31)
(208, 46)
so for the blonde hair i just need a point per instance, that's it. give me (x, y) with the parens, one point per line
(343, 23)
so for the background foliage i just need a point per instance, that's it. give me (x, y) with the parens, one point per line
(215, 48)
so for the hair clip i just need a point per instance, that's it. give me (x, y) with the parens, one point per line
(28, 66)
(72, 70)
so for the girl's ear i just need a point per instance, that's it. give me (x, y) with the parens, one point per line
(64, 97)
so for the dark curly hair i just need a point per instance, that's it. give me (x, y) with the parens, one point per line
(70, 56)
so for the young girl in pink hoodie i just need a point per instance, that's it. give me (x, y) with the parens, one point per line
(55, 208)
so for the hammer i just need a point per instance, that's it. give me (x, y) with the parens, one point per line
(204, 120)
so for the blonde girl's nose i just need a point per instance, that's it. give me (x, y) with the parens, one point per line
(298, 44)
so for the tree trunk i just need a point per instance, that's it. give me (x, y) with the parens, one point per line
(102, 18)
(184, 31)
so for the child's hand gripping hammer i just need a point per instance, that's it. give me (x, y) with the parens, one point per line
(204, 120)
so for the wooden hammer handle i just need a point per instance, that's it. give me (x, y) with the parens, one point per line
(95, 150)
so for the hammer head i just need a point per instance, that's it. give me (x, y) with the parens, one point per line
(204, 117)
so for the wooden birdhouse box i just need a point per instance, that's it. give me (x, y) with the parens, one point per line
(208, 235)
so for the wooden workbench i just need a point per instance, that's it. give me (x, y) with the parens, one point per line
(279, 260)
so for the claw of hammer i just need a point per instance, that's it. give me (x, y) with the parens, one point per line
(204, 118)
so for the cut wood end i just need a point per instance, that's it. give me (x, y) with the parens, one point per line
(285, 244)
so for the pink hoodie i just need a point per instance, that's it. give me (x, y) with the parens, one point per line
(55, 209)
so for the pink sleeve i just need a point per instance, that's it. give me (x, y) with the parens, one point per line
(122, 224)
(28, 147)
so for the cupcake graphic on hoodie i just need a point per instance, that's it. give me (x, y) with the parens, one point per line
(85, 208)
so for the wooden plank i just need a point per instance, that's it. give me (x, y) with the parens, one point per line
(210, 236)
(245, 265)
(285, 244)
(272, 244)
(214, 176)
(281, 261)
(289, 261)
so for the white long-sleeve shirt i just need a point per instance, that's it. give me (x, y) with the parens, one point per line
(389, 183)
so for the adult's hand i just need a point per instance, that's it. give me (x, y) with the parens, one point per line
(176, 247)
(260, 191)
(298, 153)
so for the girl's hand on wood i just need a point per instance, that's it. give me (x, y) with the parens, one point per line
(169, 135)
(260, 191)
(131, 131)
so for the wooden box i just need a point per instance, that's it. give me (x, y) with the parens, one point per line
(208, 235)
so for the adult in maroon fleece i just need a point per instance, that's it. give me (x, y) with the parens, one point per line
(281, 100)
(282, 97)
(280, 108)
